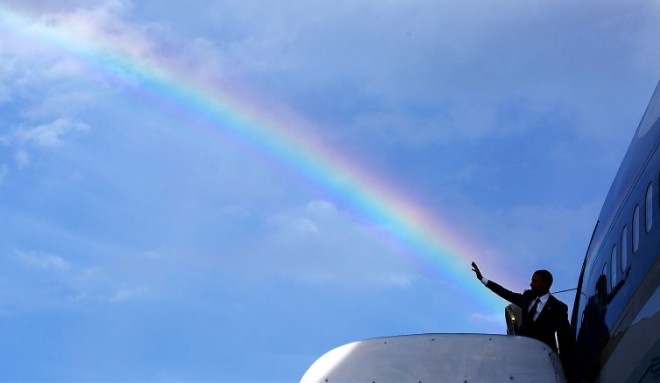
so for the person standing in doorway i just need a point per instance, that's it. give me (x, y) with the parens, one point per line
(543, 315)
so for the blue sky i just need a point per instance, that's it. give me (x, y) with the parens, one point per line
(139, 242)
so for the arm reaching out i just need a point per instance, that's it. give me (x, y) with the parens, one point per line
(510, 296)
(476, 270)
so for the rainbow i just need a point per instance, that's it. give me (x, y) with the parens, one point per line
(283, 137)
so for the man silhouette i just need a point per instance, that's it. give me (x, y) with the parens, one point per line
(543, 315)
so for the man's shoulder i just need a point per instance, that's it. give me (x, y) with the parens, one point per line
(556, 302)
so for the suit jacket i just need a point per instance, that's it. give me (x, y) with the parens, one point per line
(552, 319)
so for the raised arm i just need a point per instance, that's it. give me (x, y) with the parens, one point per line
(510, 296)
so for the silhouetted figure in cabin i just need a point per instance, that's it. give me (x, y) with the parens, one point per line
(594, 333)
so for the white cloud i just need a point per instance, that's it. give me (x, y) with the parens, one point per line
(65, 67)
(312, 218)
(319, 244)
(398, 279)
(40, 261)
(320, 207)
(22, 159)
(51, 280)
(306, 225)
(49, 78)
(52, 134)
(125, 295)
(104, 25)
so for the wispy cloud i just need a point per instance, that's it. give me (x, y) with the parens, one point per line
(22, 159)
(60, 282)
(40, 261)
(126, 295)
(52, 134)
(320, 244)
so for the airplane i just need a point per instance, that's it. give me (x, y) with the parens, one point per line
(615, 318)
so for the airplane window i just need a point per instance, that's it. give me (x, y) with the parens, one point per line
(613, 273)
(635, 229)
(624, 248)
(649, 207)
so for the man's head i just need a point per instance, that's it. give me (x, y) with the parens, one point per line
(541, 282)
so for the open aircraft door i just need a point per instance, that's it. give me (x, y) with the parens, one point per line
(439, 358)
